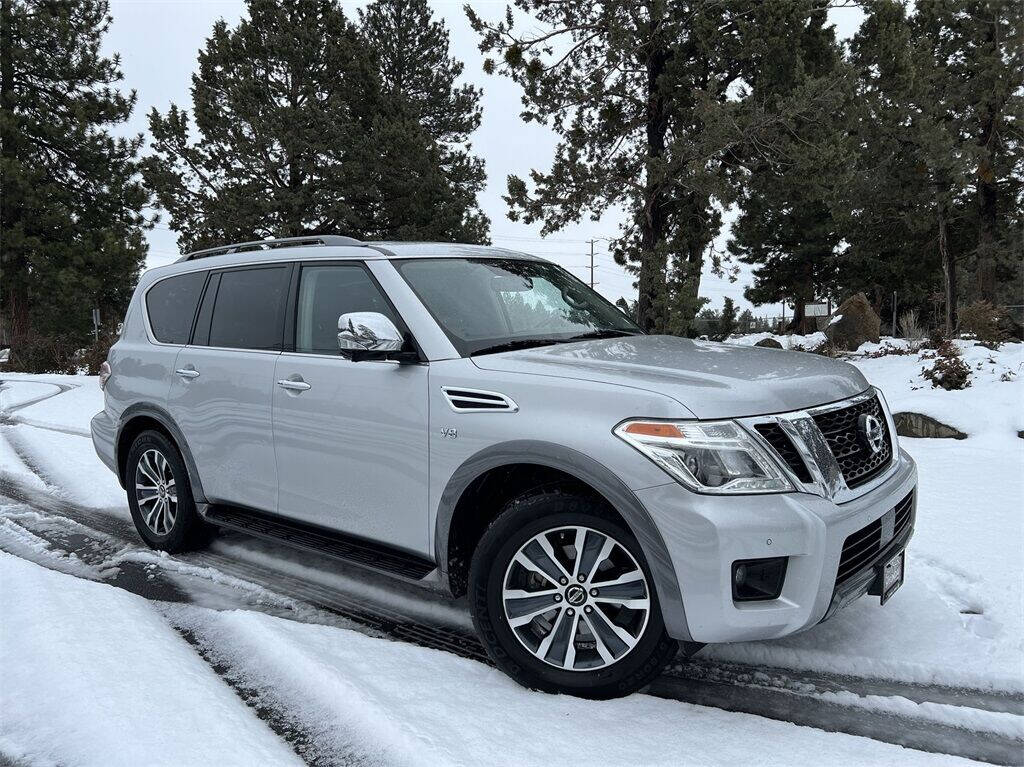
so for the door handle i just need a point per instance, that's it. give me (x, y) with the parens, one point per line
(187, 372)
(290, 385)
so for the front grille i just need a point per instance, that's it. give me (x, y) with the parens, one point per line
(778, 439)
(862, 547)
(856, 461)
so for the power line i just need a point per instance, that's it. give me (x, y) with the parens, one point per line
(524, 238)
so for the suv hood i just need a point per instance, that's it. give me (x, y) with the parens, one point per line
(712, 380)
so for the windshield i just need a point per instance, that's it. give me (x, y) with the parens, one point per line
(489, 305)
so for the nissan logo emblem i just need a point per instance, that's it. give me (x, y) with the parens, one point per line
(872, 432)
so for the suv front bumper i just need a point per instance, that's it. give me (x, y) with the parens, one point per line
(705, 534)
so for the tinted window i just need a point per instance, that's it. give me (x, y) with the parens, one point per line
(171, 304)
(249, 309)
(327, 292)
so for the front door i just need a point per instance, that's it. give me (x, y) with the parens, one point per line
(350, 437)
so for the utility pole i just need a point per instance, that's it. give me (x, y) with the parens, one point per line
(894, 314)
(592, 267)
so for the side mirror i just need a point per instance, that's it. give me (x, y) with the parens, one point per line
(361, 332)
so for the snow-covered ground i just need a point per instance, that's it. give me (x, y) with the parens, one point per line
(959, 618)
(92, 674)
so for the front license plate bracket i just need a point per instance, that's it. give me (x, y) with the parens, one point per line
(889, 576)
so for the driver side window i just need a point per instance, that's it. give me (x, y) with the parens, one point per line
(327, 292)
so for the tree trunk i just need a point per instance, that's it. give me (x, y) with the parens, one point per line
(797, 324)
(948, 274)
(987, 189)
(987, 213)
(651, 283)
(13, 266)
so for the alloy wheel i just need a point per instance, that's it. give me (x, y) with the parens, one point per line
(156, 492)
(576, 598)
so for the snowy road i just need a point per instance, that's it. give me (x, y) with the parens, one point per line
(928, 718)
(218, 602)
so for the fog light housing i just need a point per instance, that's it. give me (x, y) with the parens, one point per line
(756, 580)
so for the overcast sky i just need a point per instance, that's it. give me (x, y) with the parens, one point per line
(159, 40)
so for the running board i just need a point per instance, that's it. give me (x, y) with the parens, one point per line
(375, 556)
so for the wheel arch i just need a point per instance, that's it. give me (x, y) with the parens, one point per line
(458, 525)
(143, 417)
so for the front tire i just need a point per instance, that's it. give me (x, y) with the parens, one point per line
(160, 496)
(563, 599)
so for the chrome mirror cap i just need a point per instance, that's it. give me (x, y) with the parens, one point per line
(368, 331)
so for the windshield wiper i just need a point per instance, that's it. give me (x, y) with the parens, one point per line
(519, 343)
(607, 333)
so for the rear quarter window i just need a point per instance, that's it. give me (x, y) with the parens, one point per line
(171, 306)
(249, 309)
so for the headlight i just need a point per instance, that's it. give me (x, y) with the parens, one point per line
(707, 456)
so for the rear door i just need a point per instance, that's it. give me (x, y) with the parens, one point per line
(145, 365)
(352, 441)
(221, 395)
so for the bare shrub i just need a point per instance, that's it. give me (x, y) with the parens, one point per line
(983, 321)
(37, 353)
(826, 349)
(95, 354)
(912, 330)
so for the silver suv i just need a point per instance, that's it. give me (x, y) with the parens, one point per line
(480, 422)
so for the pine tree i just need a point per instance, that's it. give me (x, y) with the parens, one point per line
(295, 135)
(746, 321)
(983, 43)
(639, 98)
(939, 176)
(890, 200)
(793, 174)
(727, 320)
(70, 197)
(643, 100)
(420, 81)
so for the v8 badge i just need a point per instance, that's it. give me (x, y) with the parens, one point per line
(449, 432)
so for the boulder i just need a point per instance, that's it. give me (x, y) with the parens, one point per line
(853, 324)
(769, 343)
(919, 425)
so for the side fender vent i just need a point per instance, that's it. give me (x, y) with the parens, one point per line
(476, 401)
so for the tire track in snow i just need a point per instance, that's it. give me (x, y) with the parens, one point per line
(7, 418)
(61, 388)
(815, 700)
(169, 595)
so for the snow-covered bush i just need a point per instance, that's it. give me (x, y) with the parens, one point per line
(948, 371)
(888, 349)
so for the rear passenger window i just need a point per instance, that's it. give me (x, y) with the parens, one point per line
(249, 309)
(326, 293)
(171, 305)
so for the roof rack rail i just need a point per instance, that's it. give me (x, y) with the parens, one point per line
(312, 239)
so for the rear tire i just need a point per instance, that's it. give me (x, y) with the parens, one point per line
(160, 496)
(587, 623)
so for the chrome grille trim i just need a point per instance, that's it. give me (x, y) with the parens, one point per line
(826, 475)
(859, 463)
